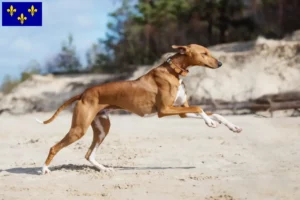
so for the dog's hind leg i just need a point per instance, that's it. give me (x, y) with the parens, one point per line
(101, 126)
(83, 116)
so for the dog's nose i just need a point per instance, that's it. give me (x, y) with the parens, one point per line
(219, 64)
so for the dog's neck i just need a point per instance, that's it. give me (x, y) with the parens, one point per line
(179, 64)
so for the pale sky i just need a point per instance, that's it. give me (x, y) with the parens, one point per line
(85, 19)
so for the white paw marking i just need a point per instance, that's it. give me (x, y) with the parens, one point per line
(211, 123)
(93, 161)
(96, 164)
(235, 128)
(208, 121)
(45, 170)
(224, 121)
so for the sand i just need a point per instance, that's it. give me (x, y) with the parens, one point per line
(168, 158)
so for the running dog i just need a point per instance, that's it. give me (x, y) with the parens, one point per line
(160, 91)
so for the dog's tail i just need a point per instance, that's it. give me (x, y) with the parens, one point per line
(67, 103)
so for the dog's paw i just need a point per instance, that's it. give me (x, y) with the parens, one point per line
(235, 128)
(211, 123)
(45, 170)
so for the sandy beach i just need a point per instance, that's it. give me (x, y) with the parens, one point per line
(168, 158)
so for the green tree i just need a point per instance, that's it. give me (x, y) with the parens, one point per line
(66, 60)
(8, 84)
(141, 31)
(113, 49)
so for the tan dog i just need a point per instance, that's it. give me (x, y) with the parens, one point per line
(159, 91)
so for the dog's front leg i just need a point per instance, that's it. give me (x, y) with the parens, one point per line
(210, 116)
(208, 121)
(227, 123)
(213, 117)
(191, 112)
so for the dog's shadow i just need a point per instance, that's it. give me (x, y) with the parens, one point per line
(71, 167)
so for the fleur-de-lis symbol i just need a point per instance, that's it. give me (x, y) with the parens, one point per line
(22, 18)
(32, 10)
(11, 10)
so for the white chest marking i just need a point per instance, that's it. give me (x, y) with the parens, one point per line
(181, 95)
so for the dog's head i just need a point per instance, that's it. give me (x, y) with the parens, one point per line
(198, 56)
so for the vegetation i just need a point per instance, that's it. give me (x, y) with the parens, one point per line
(10, 83)
(141, 32)
(66, 60)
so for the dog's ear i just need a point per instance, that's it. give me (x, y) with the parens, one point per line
(181, 49)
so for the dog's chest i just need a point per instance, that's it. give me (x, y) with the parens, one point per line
(180, 95)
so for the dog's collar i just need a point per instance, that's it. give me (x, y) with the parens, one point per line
(177, 69)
